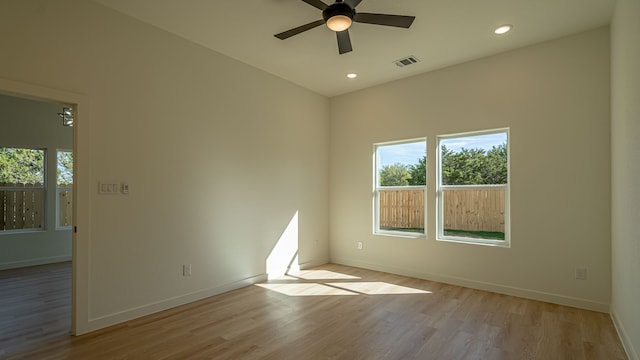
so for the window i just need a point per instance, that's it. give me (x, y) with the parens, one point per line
(21, 189)
(473, 187)
(64, 188)
(400, 181)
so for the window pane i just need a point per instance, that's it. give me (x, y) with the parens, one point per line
(474, 160)
(21, 188)
(400, 165)
(21, 166)
(474, 213)
(64, 176)
(65, 168)
(473, 187)
(65, 209)
(402, 210)
(21, 209)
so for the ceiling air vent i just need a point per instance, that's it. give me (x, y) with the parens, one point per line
(409, 60)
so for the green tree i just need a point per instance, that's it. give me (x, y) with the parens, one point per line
(495, 169)
(21, 166)
(394, 175)
(65, 168)
(418, 172)
(474, 166)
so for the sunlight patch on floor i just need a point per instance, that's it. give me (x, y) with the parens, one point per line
(328, 283)
(321, 275)
(377, 288)
(310, 289)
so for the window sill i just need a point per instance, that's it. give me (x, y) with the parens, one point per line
(21, 231)
(400, 234)
(484, 242)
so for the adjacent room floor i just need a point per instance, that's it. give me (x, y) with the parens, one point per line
(332, 311)
(35, 306)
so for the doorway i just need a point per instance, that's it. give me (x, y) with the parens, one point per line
(36, 192)
(80, 228)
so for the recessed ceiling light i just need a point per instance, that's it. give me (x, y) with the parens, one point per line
(503, 29)
(352, 75)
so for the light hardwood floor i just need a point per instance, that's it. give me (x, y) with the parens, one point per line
(330, 312)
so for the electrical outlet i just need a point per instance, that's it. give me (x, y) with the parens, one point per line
(359, 245)
(581, 273)
(186, 270)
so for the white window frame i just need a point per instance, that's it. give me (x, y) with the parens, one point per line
(440, 236)
(377, 188)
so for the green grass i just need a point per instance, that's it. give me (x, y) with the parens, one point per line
(493, 235)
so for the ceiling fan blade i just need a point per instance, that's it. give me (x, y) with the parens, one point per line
(352, 3)
(317, 4)
(385, 19)
(344, 42)
(295, 31)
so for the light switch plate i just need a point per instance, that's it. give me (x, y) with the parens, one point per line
(109, 188)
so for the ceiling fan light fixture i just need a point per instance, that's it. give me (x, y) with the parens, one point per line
(338, 16)
(339, 23)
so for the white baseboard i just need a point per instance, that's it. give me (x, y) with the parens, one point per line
(497, 288)
(312, 264)
(116, 318)
(34, 262)
(632, 354)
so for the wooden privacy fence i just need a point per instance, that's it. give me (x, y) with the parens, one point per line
(471, 209)
(401, 209)
(474, 209)
(65, 209)
(21, 206)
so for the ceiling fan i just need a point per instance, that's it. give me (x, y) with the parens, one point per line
(340, 15)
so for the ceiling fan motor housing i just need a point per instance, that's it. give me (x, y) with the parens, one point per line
(338, 8)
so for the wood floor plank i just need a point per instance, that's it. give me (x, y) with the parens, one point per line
(330, 312)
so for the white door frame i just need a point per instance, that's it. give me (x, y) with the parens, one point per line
(81, 190)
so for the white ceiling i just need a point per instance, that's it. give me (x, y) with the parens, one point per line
(445, 32)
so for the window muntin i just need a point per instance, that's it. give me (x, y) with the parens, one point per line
(64, 189)
(22, 190)
(399, 188)
(473, 187)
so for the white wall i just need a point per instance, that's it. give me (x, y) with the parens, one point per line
(625, 172)
(219, 156)
(554, 97)
(35, 124)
